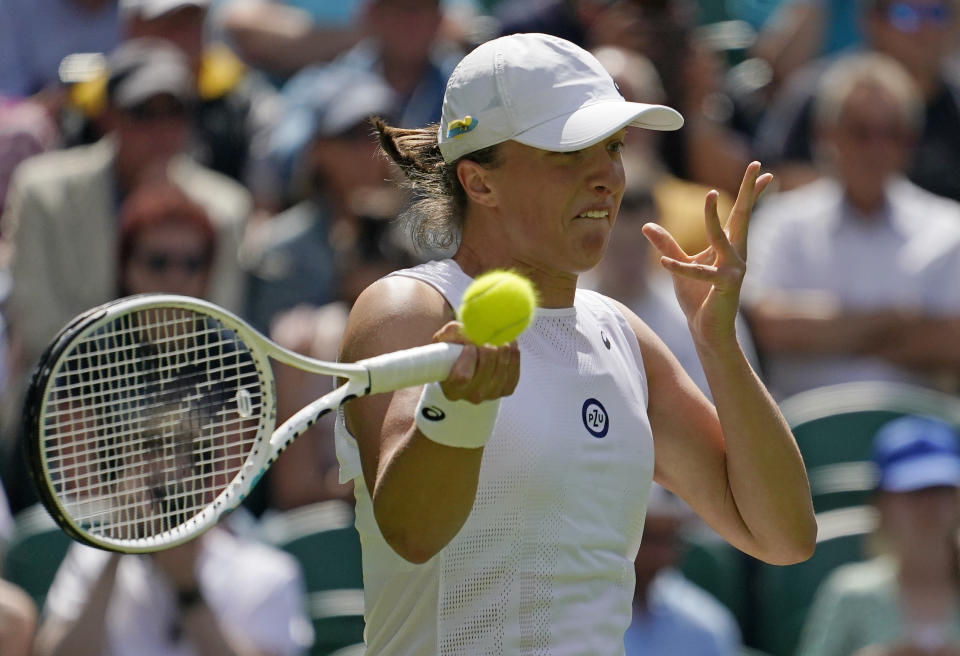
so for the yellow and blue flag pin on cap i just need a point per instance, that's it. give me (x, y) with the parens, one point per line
(460, 126)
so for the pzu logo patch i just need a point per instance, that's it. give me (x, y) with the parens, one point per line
(595, 418)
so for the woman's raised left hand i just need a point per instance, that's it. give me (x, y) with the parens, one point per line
(708, 283)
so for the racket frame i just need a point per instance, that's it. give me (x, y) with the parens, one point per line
(267, 445)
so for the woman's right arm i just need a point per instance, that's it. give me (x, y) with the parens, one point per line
(422, 490)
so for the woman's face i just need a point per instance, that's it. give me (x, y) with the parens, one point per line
(558, 208)
(169, 257)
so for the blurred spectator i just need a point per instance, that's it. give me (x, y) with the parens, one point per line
(847, 274)
(573, 20)
(18, 613)
(799, 31)
(324, 146)
(25, 130)
(63, 205)
(234, 109)
(671, 615)
(217, 594)
(707, 150)
(18, 621)
(404, 45)
(167, 242)
(921, 35)
(307, 264)
(61, 215)
(904, 602)
(35, 36)
(280, 37)
(308, 470)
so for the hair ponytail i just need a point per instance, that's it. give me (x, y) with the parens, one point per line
(438, 209)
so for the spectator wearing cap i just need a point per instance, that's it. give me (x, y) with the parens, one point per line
(404, 44)
(235, 107)
(905, 602)
(325, 150)
(61, 219)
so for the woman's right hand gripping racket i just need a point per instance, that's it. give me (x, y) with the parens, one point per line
(150, 417)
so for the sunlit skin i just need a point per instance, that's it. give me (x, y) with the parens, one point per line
(538, 201)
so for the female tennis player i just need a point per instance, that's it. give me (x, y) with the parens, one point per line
(500, 511)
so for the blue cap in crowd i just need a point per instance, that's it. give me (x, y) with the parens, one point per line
(913, 453)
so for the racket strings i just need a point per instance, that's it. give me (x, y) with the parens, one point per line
(148, 420)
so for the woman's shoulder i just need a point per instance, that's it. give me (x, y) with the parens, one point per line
(395, 312)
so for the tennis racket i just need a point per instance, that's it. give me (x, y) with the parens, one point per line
(150, 417)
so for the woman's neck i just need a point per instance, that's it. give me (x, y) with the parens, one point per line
(555, 289)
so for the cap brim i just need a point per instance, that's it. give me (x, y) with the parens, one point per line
(152, 10)
(141, 86)
(595, 122)
(920, 473)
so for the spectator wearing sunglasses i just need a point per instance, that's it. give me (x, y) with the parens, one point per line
(62, 216)
(61, 221)
(921, 36)
(167, 242)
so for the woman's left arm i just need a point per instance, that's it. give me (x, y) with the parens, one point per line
(736, 461)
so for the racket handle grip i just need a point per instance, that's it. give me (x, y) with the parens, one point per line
(411, 367)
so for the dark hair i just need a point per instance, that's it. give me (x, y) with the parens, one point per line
(436, 214)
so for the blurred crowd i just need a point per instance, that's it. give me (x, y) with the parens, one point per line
(222, 149)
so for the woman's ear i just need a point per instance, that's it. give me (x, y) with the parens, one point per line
(475, 182)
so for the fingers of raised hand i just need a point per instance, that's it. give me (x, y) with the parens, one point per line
(751, 187)
(664, 242)
(716, 235)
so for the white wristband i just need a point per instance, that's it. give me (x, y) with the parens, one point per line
(459, 424)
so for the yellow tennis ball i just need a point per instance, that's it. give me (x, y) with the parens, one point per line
(497, 307)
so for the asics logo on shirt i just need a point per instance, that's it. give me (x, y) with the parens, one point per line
(595, 418)
(433, 413)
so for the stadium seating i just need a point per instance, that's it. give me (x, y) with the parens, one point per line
(323, 539)
(34, 552)
(834, 427)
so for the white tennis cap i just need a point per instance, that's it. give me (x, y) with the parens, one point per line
(541, 91)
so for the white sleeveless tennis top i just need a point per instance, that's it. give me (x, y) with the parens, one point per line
(544, 563)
